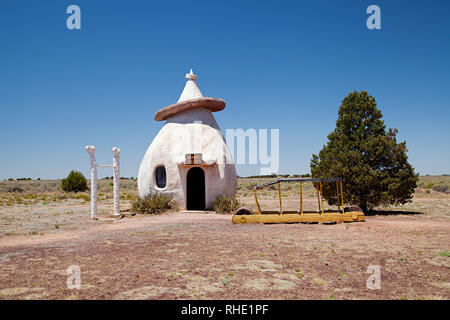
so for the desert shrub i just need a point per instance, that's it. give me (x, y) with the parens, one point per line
(153, 204)
(225, 204)
(75, 182)
(441, 188)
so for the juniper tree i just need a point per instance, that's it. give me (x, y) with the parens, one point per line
(374, 167)
(75, 182)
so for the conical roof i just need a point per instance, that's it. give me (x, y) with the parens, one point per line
(191, 90)
(191, 98)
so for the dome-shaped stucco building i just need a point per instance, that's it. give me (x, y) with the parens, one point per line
(189, 159)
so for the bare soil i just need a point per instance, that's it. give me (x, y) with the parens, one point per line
(193, 255)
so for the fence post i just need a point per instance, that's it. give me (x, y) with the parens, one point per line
(91, 151)
(116, 168)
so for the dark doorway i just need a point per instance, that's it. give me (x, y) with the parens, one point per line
(195, 183)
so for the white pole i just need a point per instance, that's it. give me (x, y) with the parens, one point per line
(116, 168)
(91, 151)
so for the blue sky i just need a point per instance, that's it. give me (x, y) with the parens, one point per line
(277, 64)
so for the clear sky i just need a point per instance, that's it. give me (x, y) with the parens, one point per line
(277, 64)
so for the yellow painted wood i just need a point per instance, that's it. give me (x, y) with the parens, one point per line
(257, 204)
(304, 217)
(296, 218)
(279, 195)
(321, 195)
(301, 199)
(317, 191)
(337, 194)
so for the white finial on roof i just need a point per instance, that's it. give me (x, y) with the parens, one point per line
(191, 76)
(191, 90)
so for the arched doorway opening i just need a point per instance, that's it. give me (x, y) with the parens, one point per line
(195, 183)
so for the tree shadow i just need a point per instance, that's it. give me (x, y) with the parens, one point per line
(391, 213)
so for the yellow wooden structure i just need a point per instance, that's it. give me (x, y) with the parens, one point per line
(300, 216)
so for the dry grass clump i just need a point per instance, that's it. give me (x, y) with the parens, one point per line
(225, 204)
(153, 204)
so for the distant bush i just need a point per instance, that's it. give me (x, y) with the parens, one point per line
(225, 204)
(153, 204)
(75, 182)
(441, 188)
(16, 189)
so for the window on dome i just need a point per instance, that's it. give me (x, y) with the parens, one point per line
(160, 176)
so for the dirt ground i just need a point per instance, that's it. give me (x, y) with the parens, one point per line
(193, 255)
(204, 256)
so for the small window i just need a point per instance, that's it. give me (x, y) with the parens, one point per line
(160, 176)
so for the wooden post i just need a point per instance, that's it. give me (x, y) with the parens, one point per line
(91, 151)
(301, 199)
(337, 193)
(279, 195)
(317, 190)
(116, 168)
(256, 201)
(321, 195)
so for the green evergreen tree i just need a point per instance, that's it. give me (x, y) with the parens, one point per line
(75, 182)
(374, 167)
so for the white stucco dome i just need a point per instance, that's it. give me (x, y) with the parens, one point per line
(191, 138)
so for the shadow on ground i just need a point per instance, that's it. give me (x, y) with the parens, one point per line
(391, 213)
